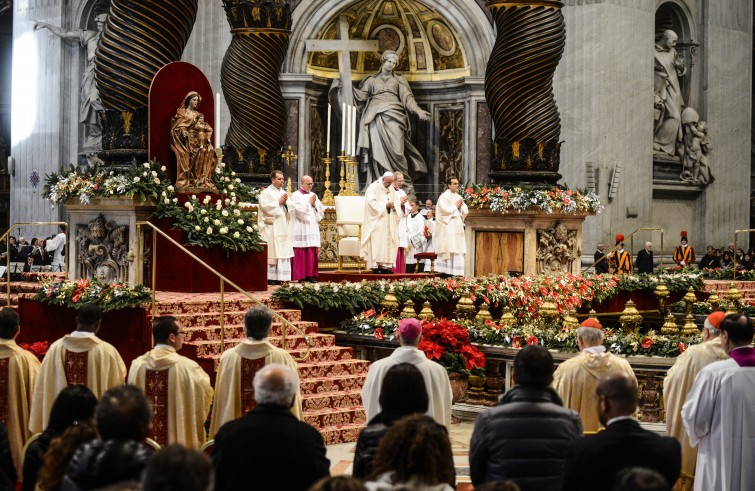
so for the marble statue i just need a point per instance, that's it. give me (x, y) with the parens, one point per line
(191, 141)
(90, 104)
(668, 101)
(385, 101)
(695, 149)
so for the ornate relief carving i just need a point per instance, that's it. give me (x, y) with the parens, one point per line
(556, 249)
(102, 250)
(451, 143)
(328, 240)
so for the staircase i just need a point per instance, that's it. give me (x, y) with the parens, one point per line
(721, 288)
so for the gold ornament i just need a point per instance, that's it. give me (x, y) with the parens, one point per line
(548, 310)
(670, 327)
(408, 312)
(715, 302)
(570, 319)
(484, 313)
(662, 293)
(465, 308)
(427, 312)
(389, 303)
(630, 318)
(507, 318)
(733, 296)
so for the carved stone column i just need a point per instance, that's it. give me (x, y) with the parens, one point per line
(249, 78)
(139, 38)
(519, 90)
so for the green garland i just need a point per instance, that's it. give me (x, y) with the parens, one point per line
(74, 294)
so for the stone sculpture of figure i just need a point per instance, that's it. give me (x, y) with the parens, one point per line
(385, 100)
(90, 104)
(695, 149)
(668, 102)
(191, 141)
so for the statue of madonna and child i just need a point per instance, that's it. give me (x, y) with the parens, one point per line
(191, 141)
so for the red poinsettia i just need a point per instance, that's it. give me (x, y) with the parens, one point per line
(646, 343)
(532, 340)
(448, 343)
(682, 348)
(38, 349)
(516, 342)
(379, 334)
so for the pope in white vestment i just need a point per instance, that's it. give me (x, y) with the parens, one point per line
(448, 240)
(381, 223)
(306, 213)
(436, 378)
(272, 221)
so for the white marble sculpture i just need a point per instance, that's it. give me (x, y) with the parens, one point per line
(668, 101)
(695, 149)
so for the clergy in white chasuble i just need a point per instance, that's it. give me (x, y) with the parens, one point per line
(272, 221)
(381, 222)
(450, 244)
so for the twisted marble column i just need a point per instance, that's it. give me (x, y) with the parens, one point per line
(519, 90)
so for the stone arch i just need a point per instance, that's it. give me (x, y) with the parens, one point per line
(467, 19)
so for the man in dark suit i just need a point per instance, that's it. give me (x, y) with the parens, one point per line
(268, 448)
(594, 462)
(602, 266)
(645, 259)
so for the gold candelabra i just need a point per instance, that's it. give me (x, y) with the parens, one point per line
(348, 176)
(327, 196)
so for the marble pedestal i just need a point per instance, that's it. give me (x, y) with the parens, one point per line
(103, 241)
(528, 242)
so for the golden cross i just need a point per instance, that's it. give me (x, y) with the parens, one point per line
(289, 156)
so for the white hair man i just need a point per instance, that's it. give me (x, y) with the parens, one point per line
(577, 378)
(678, 383)
(282, 443)
(381, 224)
(403, 212)
(306, 213)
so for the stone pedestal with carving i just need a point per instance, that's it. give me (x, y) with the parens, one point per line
(102, 240)
(528, 242)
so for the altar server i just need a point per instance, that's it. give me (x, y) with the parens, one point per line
(272, 220)
(381, 223)
(306, 213)
(403, 212)
(415, 227)
(450, 244)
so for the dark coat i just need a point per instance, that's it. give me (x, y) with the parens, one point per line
(367, 444)
(34, 457)
(602, 266)
(524, 438)
(268, 448)
(8, 476)
(594, 461)
(644, 261)
(102, 463)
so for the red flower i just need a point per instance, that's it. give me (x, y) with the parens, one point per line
(469, 190)
(484, 190)
(485, 199)
(379, 334)
(682, 348)
(647, 343)
(516, 342)
(432, 351)
(83, 283)
(532, 340)
(76, 296)
(369, 313)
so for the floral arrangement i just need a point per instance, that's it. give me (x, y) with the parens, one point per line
(114, 296)
(677, 281)
(38, 349)
(504, 200)
(448, 343)
(144, 181)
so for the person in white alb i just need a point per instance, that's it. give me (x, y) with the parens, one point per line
(403, 212)
(57, 246)
(415, 228)
(381, 223)
(272, 220)
(306, 213)
(449, 242)
(428, 232)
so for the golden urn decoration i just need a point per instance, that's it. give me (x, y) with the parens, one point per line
(408, 311)
(427, 312)
(630, 318)
(389, 303)
(465, 308)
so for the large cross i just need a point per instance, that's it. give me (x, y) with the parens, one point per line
(344, 46)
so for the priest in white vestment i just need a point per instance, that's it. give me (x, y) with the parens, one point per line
(414, 223)
(678, 383)
(450, 244)
(234, 395)
(306, 213)
(380, 227)
(77, 358)
(719, 412)
(272, 221)
(438, 386)
(19, 369)
(403, 212)
(189, 392)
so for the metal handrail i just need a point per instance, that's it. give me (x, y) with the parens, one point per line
(631, 248)
(223, 280)
(735, 249)
(7, 249)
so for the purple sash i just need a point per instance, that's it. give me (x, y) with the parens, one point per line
(745, 357)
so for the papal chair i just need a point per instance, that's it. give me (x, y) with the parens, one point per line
(349, 220)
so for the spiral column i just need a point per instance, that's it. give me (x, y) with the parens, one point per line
(519, 90)
(249, 78)
(139, 38)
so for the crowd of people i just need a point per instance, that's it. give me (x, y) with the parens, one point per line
(36, 252)
(574, 428)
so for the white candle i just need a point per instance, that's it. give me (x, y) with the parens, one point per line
(217, 120)
(327, 133)
(354, 131)
(348, 130)
(343, 128)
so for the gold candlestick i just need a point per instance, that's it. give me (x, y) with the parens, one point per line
(327, 196)
(342, 182)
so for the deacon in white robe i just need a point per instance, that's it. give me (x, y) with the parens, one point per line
(381, 224)
(306, 213)
(436, 378)
(429, 232)
(414, 224)
(272, 221)
(719, 411)
(448, 240)
(403, 212)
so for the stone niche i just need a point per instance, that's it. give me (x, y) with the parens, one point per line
(103, 242)
(528, 242)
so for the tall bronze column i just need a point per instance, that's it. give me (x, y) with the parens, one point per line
(249, 78)
(139, 38)
(519, 90)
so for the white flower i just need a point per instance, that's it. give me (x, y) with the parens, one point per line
(224, 213)
(249, 229)
(236, 235)
(162, 168)
(219, 202)
(157, 181)
(137, 179)
(206, 219)
(197, 228)
(223, 230)
(209, 230)
(240, 221)
(233, 173)
(145, 173)
(237, 212)
(163, 194)
(146, 165)
(207, 199)
(191, 208)
(233, 195)
(217, 170)
(167, 200)
(216, 221)
(203, 211)
(171, 188)
(193, 196)
(238, 179)
(154, 174)
(225, 191)
(230, 186)
(175, 200)
(187, 205)
(227, 200)
(222, 164)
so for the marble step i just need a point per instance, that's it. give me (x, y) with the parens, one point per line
(233, 331)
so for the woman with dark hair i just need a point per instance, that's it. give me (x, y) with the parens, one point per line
(74, 404)
(402, 393)
(727, 261)
(414, 455)
(58, 456)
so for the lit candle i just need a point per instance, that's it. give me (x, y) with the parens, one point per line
(217, 120)
(343, 128)
(354, 131)
(327, 133)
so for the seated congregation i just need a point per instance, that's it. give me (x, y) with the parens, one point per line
(572, 429)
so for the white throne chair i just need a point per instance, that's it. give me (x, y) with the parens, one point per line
(349, 219)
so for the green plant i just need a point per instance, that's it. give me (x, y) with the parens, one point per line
(114, 296)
